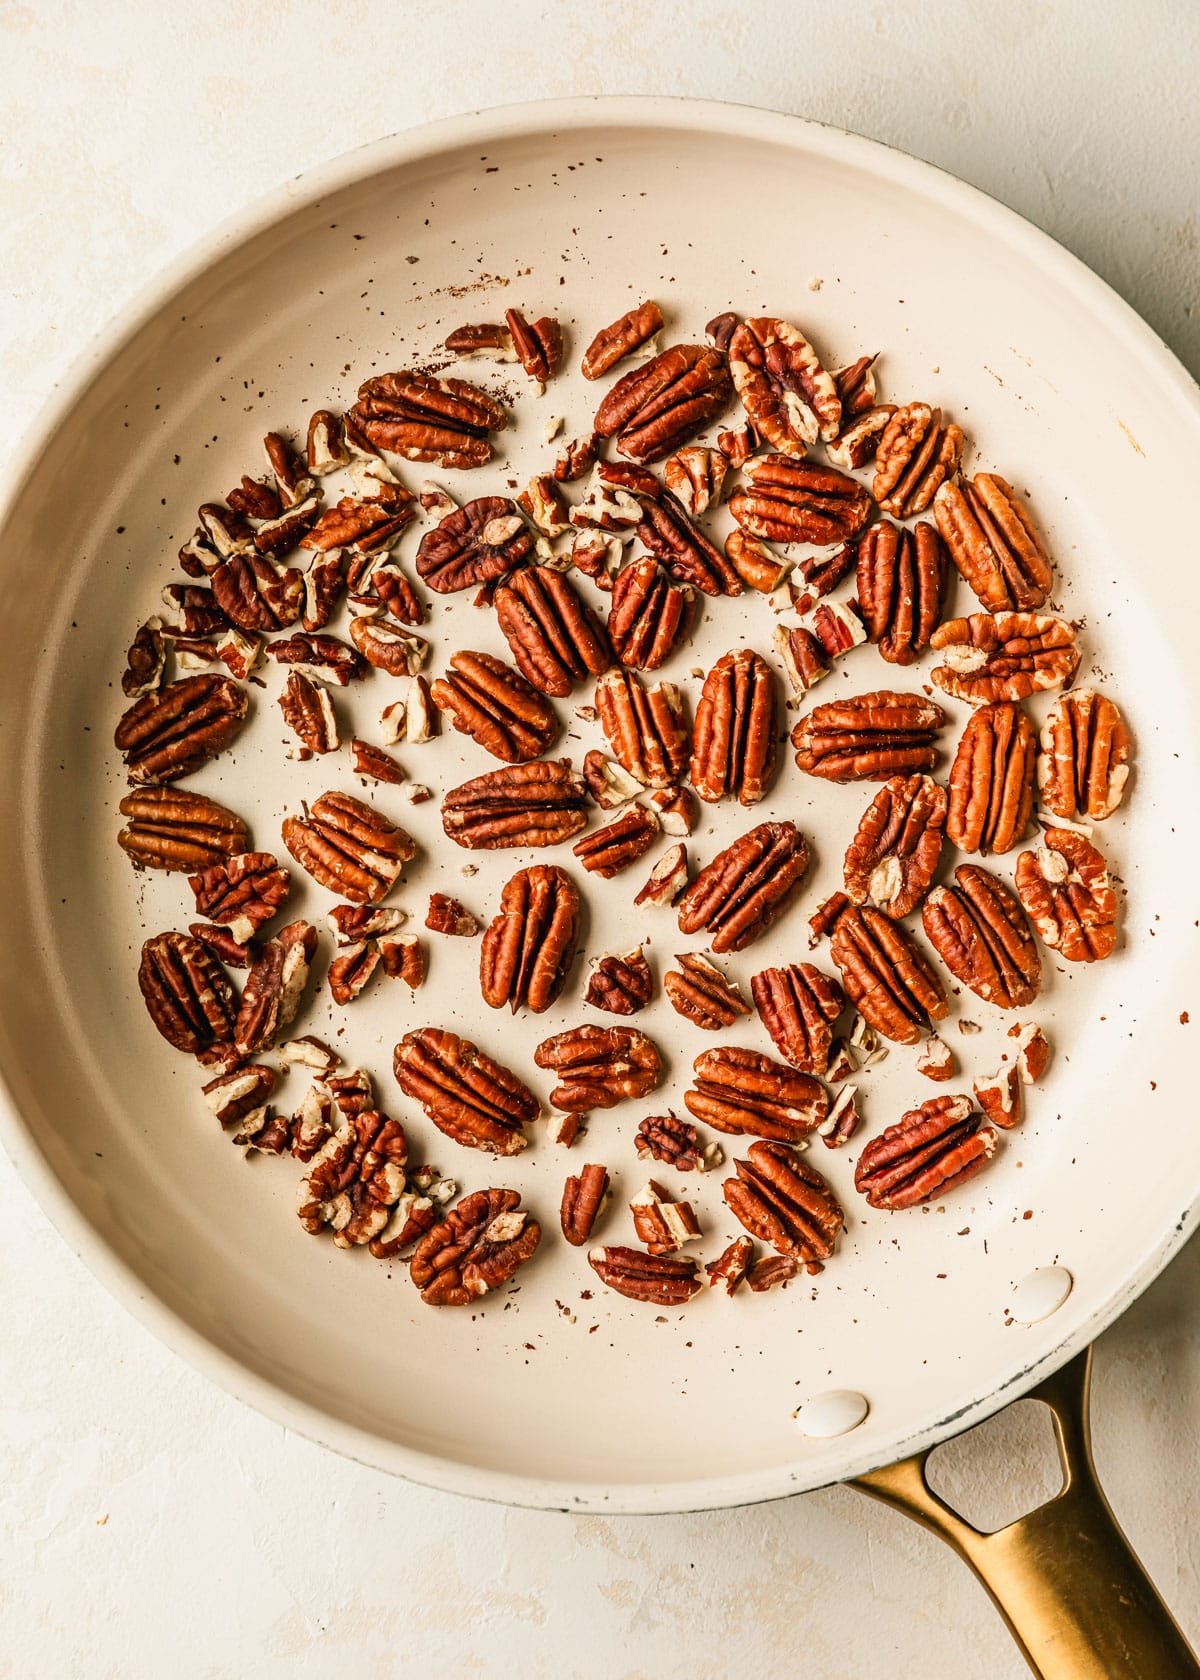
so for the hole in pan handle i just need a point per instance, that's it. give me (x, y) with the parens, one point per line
(1064, 1577)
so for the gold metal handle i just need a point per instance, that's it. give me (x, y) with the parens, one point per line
(1065, 1579)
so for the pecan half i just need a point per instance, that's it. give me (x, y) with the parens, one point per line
(654, 409)
(733, 740)
(991, 780)
(274, 987)
(790, 501)
(427, 419)
(321, 658)
(241, 892)
(783, 1201)
(869, 737)
(308, 712)
(1006, 657)
(746, 887)
(915, 455)
(168, 734)
(555, 638)
(790, 398)
(666, 1280)
(187, 993)
(702, 994)
(645, 727)
(894, 854)
(662, 1224)
(661, 1137)
(474, 1100)
(583, 1201)
(673, 539)
(366, 526)
(1084, 762)
(667, 879)
(398, 652)
(901, 587)
(474, 544)
(520, 805)
(538, 344)
(496, 706)
(798, 1006)
(349, 847)
(255, 594)
(1068, 895)
(357, 1185)
(648, 615)
(599, 1067)
(885, 976)
(529, 947)
(622, 985)
(743, 1091)
(627, 334)
(477, 1248)
(695, 476)
(980, 933)
(994, 543)
(170, 828)
(929, 1151)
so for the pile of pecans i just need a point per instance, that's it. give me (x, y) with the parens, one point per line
(595, 591)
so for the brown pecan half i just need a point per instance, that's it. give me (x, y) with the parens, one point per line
(627, 334)
(321, 658)
(620, 984)
(929, 1151)
(654, 409)
(450, 916)
(528, 948)
(894, 854)
(358, 1187)
(1084, 762)
(885, 976)
(366, 526)
(556, 639)
(791, 501)
(520, 805)
(476, 1249)
(758, 566)
(1068, 895)
(274, 987)
(648, 615)
(798, 1006)
(746, 887)
(474, 544)
(743, 1091)
(994, 543)
(662, 1224)
(599, 1067)
(695, 476)
(398, 652)
(583, 1200)
(496, 706)
(702, 994)
(471, 1098)
(255, 594)
(308, 712)
(645, 727)
(661, 1137)
(349, 847)
(673, 539)
(187, 993)
(869, 737)
(783, 1201)
(427, 419)
(538, 344)
(667, 879)
(790, 398)
(915, 455)
(901, 586)
(170, 828)
(733, 740)
(978, 929)
(666, 1280)
(1006, 657)
(169, 734)
(991, 780)
(387, 590)
(241, 892)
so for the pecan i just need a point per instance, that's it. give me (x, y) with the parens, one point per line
(290, 470)
(308, 712)
(474, 544)
(555, 638)
(936, 1060)
(645, 727)
(485, 338)
(826, 917)
(583, 1200)
(412, 719)
(349, 847)
(472, 1099)
(662, 1224)
(772, 1271)
(838, 627)
(701, 993)
(743, 1091)
(664, 1279)
(856, 386)
(528, 948)
(352, 1091)
(389, 591)
(519, 805)
(662, 1137)
(350, 971)
(495, 705)
(901, 586)
(241, 892)
(894, 854)
(1068, 895)
(695, 476)
(612, 344)
(398, 652)
(325, 443)
(358, 1186)
(783, 1201)
(538, 344)
(599, 1067)
(324, 586)
(675, 541)
(843, 1119)
(620, 984)
(991, 780)
(649, 614)
(1083, 765)
(274, 987)
(280, 536)
(790, 501)
(544, 504)
(308, 1052)
(1033, 1050)
(733, 741)
(403, 958)
(978, 930)
(609, 783)
(235, 1095)
(746, 887)
(320, 658)
(447, 915)
(737, 445)
(609, 850)
(364, 525)
(993, 543)
(930, 1150)
(758, 566)
(598, 555)
(426, 419)
(915, 455)
(170, 828)
(667, 879)
(804, 659)
(234, 953)
(144, 662)
(477, 1248)
(798, 1006)
(790, 398)
(999, 1095)
(373, 764)
(869, 737)
(720, 330)
(885, 976)
(257, 595)
(1006, 657)
(858, 440)
(352, 922)
(727, 1272)
(187, 993)
(822, 573)
(167, 735)
(675, 809)
(656, 408)
(575, 457)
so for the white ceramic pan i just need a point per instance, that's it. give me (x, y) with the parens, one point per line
(547, 1397)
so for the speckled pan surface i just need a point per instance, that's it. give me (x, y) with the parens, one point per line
(543, 1396)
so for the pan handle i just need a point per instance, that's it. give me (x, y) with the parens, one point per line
(1065, 1579)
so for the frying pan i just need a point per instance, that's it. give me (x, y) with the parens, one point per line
(560, 1394)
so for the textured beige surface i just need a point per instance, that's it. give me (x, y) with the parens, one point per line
(154, 1522)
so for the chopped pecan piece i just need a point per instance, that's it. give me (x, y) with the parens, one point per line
(733, 741)
(427, 419)
(544, 504)
(519, 805)
(901, 587)
(858, 439)
(170, 828)
(599, 1067)
(612, 344)
(727, 1272)
(529, 947)
(742, 1091)
(991, 780)
(1084, 762)
(663, 1279)
(254, 594)
(403, 958)
(843, 1119)
(656, 408)
(308, 712)
(936, 1060)
(145, 661)
(804, 659)
(791, 501)
(791, 400)
(349, 847)
(486, 338)
(1033, 1050)
(325, 443)
(999, 1096)
(667, 879)
(915, 455)
(477, 1248)
(398, 652)
(620, 984)
(702, 994)
(167, 735)
(649, 614)
(278, 536)
(350, 971)
(234, 953)
(786, 1203)
(1068, 895)
(324, 586)
(885, 975)
(473, 544)
(758, 566)
(695, 476)
(387, 590)
(538, 344)
(929, 1151)
(366, 526)
(187, 993)
(662, 1224)
(321, 658)
(894, 854)
(583, 1201)
(308, 1052)
(994, 543)
(771, 1272)
(357, 1185)
(620, 843)
(838, 627)
(980, 933)
(737, 444)
(414, 718)
(374, 764)
(555, 638)
(609, 783)
(234, 1095)
(798, 1006)
(472, 1099)
(241, 892)
(746, 887)
(1006, 657)
(826, 916)
(869, 738)
(352, 922)
(675, 809)
(645, 727)
(447, 915)
(496, 706)
(274, 987)
(661, 1137)
(575, 457)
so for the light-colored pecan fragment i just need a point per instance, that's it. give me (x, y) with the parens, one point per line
(746, 887)
(609, 783)
(473, 544)
(695, 476)
(869, 737)
(472, 1099)
(241, 892)
(798, 1006)
(556, 639)
(783, 1201)
(325, 443)
(168, 734)
(324, 586)
(728, 1271)
(308, 712)
(994, 543)
(426, 419)
(665, 1280)
(519, 805)
(1068, 895)
(308, 1052)
(790, 398)
(667, 879)
(538, 344)
(733, 739)
(170, 828)
(528, 948)
(744, 1092)
(915, 455)
(448, 915)
(1000, 1096)
(236, 1095)
(622, 985)
(936, 1060)
(894, 854)
(497, 706)
(804, 660)
(274, 987)
(352, 922)
(662, 1224)
(599, 1067)
(789, 501)
(257, 595)
(398, 652)
(477, 1248)
(575, 457)
(234, 953)
(648, 615)
(656, 408)
(413, 718)
(901, 587)
(321, 658)
(978, 929)
(187, 993)
(349, 847)
(1006, 657)
(843, 1119)
(675, 808)
(645, 727)
(627, 334)
(661, 1137)
(885, 975)
(699, 992)
(584, 1197)
(758, 566)
(609, 850)
(929, 1151)
(544, 504)
(838, 627)
(1084, 762)
(1033, 1050)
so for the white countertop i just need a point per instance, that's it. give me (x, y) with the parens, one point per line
(150, 1525)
